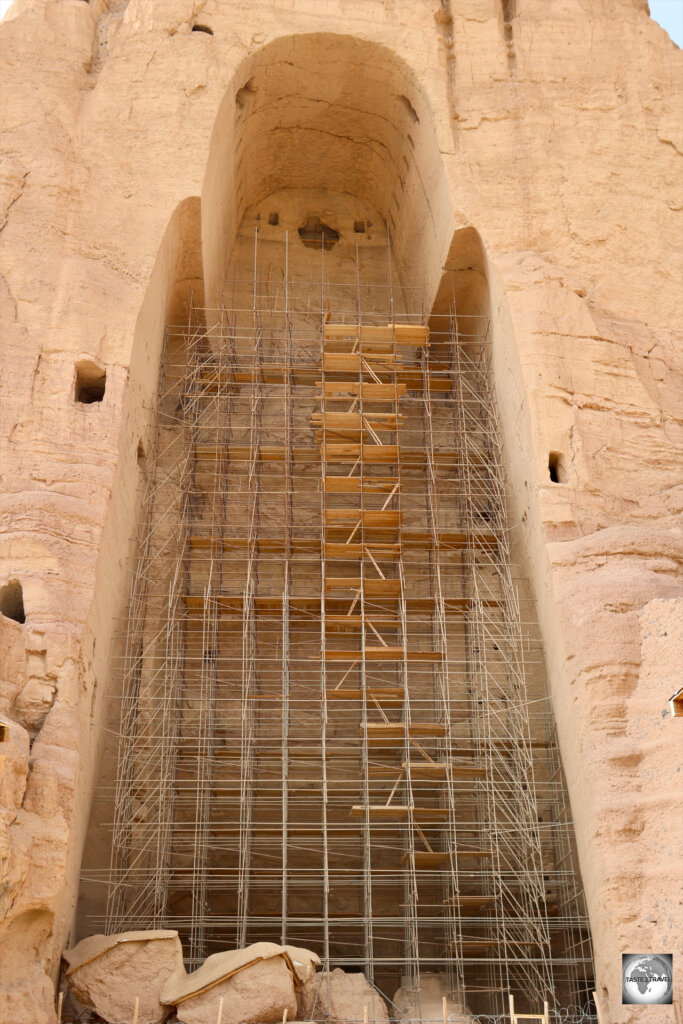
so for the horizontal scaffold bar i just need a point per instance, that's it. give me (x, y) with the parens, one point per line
(410, 539)
(341, 452)
(411, 378)
(311, 604)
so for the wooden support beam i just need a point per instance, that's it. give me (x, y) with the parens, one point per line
(356, 485)
(383, 654)
(337, 421)
(230, 605)
(425, 815)
(428, 860)
(410, 541)
(355, 364)
(400, 812)
(366, 390)
(354, 622)
(350, 517)
(387, 696)
(372, 588)
(389, 730)
(469, 901)
(423, 770)
(400, 334)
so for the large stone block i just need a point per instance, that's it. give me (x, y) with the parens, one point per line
(255, 984)
(340, 996)
(108, 972)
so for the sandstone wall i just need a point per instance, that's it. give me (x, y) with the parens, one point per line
(559, 128)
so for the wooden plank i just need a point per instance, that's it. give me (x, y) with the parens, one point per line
(469, 901)
(371, 654)
(390, 730)
(371, 454)
(393, 812)
(402, 334)
(367, 517)
(427, 769)
(372, 588)
(426, 860)
(304, 605)
(346, 519)
(265, 453)
(355, 621)
(475, 945)
(386, 696)
(424, 815)
(367, 390)
(382, 654)
(356, 421)
(262, 546)
(342, 362)
(344, 551)
(307, 375)
(423, 769)
(356, 485)
(338, 625)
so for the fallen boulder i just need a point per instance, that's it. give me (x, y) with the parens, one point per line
(340, 996)
(108, 972)
(257, 983)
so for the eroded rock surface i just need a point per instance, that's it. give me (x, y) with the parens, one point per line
(255, 984)
(341, 996)
(107, 973)
(433, 990)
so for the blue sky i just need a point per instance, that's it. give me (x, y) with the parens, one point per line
(669, 14)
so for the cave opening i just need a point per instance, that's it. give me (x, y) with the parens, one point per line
(12, 601)
(90, 382)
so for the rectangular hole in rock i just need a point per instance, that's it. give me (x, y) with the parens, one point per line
(90, 383)
(556, 468)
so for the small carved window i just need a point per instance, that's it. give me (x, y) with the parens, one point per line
(12, 601)
(556, 468)
(90, 384)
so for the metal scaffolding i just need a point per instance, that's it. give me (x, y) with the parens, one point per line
(329, 733)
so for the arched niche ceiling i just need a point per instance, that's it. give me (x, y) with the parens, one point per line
(463, 287)
(335, 113)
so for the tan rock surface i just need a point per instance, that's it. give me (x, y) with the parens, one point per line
(300, 962)
(108, 972)
(562, 145)
(259, 992)
(341, 996)
(433, 990)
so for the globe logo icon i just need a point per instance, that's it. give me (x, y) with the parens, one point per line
(647, 978)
